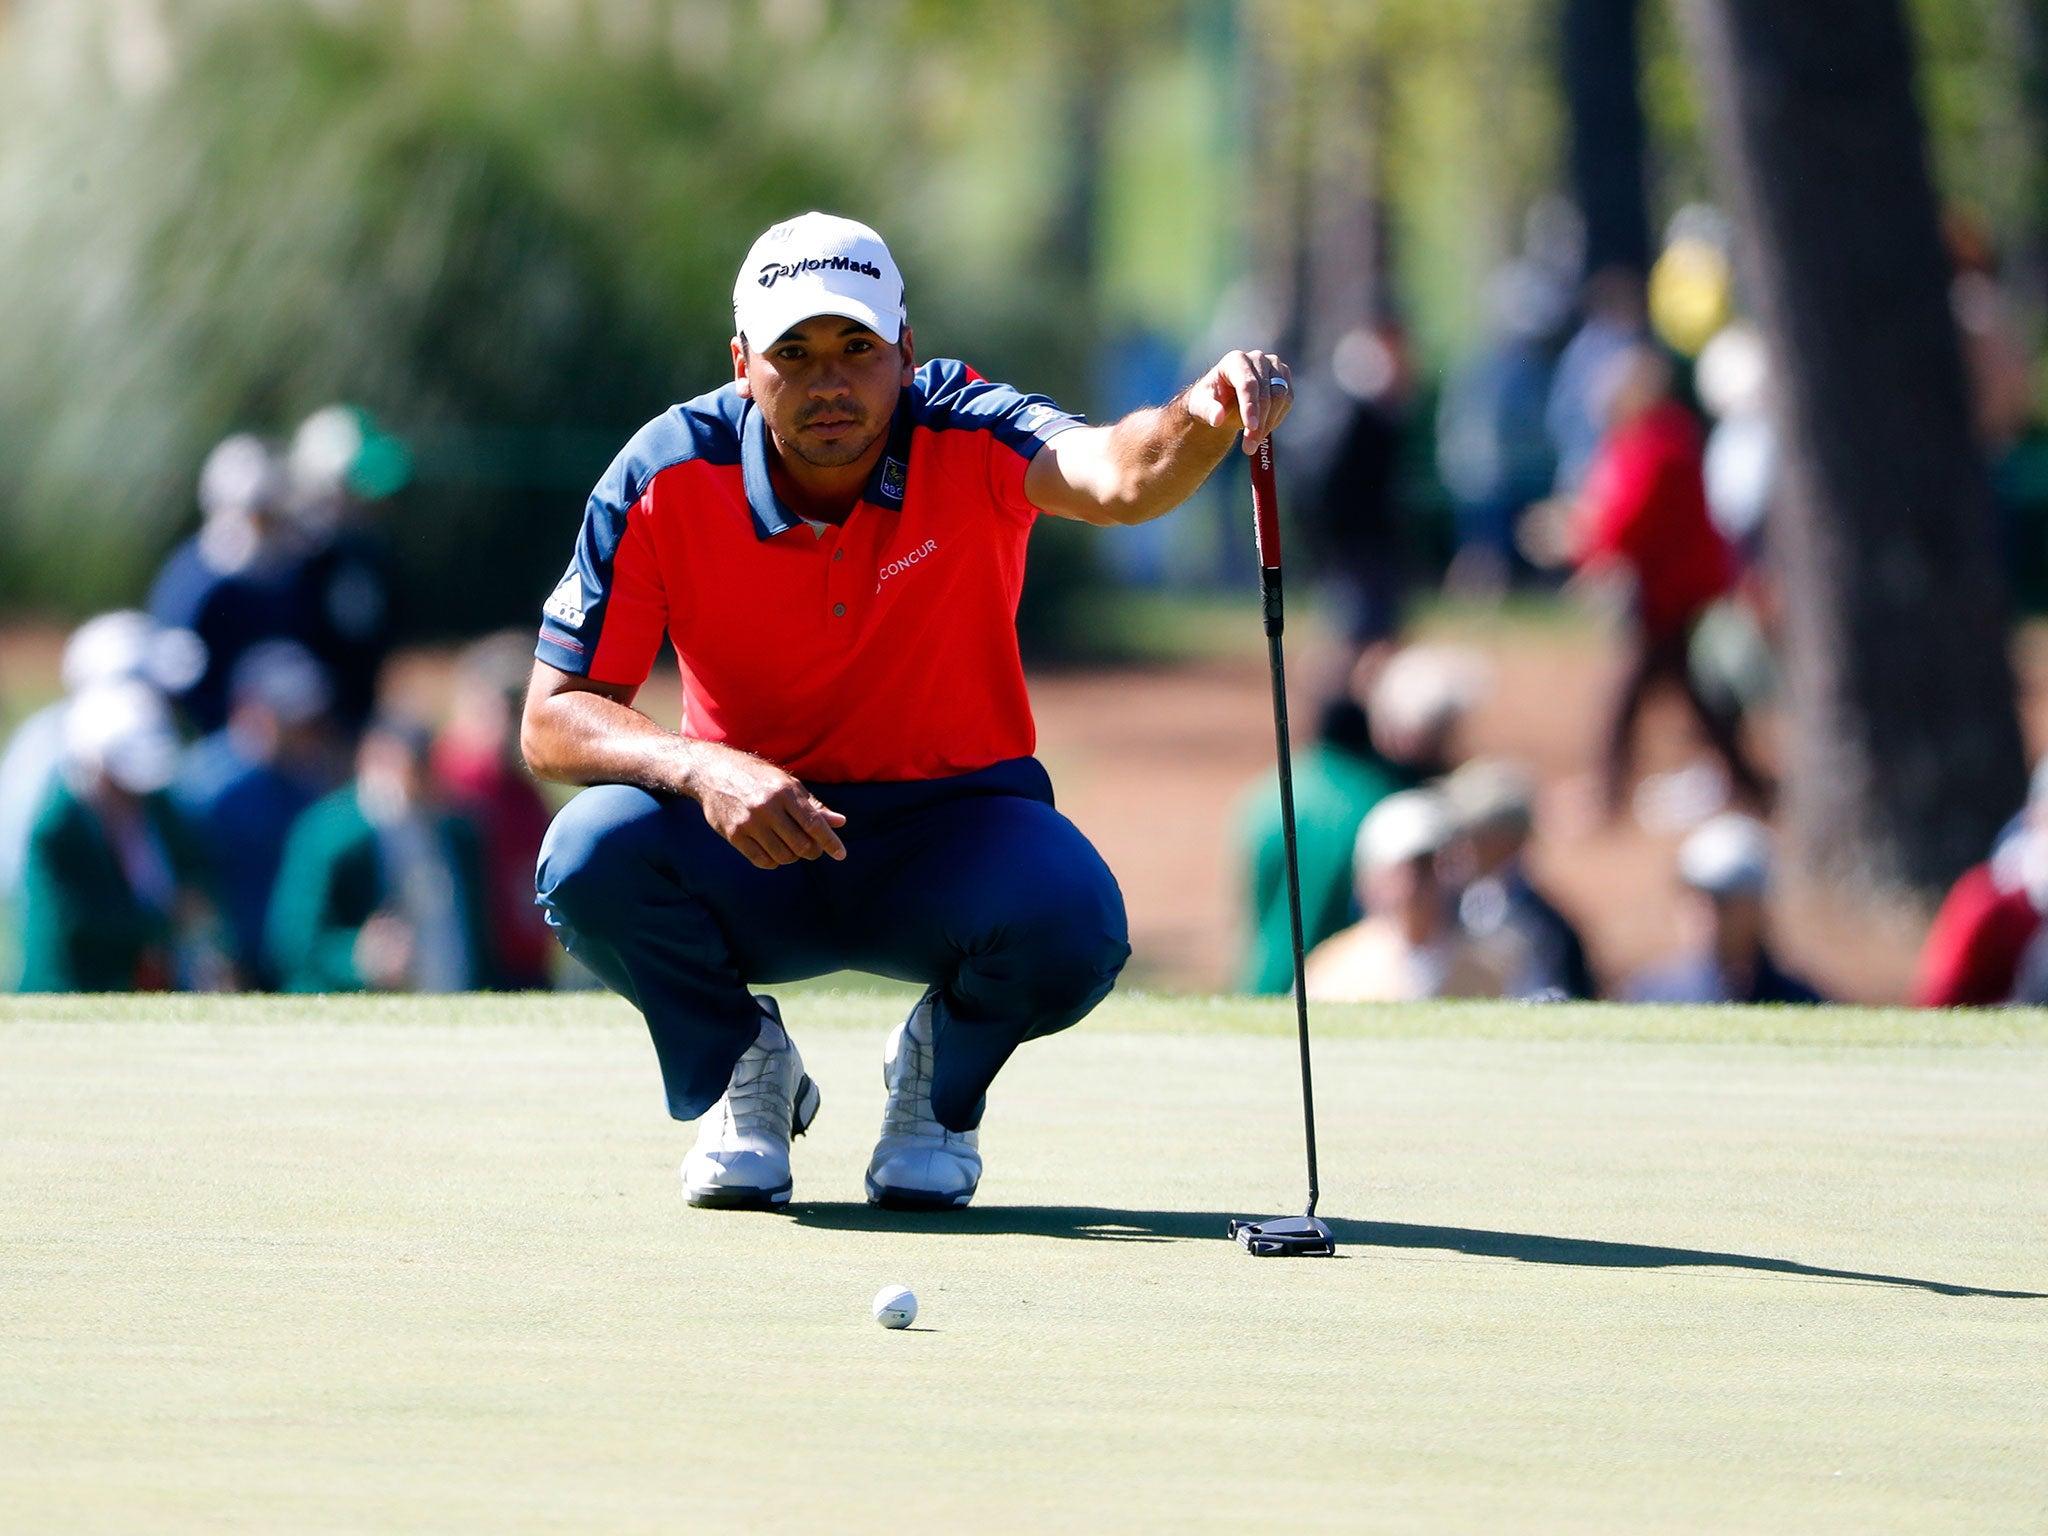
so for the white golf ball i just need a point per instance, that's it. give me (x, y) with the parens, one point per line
(895, 1306)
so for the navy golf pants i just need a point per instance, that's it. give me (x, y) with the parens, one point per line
(972, 885)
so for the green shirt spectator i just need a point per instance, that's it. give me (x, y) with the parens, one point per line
(113, 881)
(379, 888)
(1333, 789)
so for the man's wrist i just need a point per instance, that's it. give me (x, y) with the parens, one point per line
(692, 761)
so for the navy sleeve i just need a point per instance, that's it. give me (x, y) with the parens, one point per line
(953, 397)
(606, 616)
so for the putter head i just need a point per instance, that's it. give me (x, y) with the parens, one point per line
(1285, 1237)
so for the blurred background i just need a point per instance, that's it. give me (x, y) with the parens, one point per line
(1668, 500)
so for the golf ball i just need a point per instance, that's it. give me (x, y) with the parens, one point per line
(895, 1306)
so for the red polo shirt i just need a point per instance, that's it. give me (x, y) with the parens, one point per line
(885, 649)
(1645, 506)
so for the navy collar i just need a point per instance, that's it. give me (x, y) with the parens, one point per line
(886, 484)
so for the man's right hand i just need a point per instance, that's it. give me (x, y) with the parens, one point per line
(575, 731)
(764, 812)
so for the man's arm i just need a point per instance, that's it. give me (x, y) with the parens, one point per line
(1154, 459)
(575, 731)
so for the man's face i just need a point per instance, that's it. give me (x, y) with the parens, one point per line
(828, 387)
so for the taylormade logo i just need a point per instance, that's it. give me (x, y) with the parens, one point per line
(903, 563)
(774, 271)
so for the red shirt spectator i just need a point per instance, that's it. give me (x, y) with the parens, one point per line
(1972, 954)
(1645, 506)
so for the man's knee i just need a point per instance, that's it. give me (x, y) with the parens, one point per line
(595, 852)
(1065, 940)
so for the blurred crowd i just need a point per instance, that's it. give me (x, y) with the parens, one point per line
(1615, 436)
(218, 803)
(1414, 874)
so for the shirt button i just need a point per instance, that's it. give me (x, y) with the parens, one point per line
(838, 554)
(839, 610)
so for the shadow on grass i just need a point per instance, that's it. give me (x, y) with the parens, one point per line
(1105, 1224)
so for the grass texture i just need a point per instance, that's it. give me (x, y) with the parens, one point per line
(423, 1265)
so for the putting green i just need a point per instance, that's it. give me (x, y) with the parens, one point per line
(412, 1265)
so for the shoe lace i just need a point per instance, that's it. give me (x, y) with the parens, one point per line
(754, 1101)
(909, 1110)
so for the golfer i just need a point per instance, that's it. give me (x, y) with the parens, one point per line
(834, 542)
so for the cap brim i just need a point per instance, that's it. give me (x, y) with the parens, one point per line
(772, 321)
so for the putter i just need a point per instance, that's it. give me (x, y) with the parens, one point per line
(1300, 1236)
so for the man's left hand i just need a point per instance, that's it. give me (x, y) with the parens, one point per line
(1248, 390)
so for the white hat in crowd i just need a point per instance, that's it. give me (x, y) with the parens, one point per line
(817, 264)
(109, 646)
(1728, 856)
(1423, 689)
(122, 729)
(128, 643)
(1402, 828)
(241, 475)
(1491, 793)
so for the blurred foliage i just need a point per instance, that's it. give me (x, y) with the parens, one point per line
(510, 231)
(508, 227)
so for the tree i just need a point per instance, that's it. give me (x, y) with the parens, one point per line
(1600, 70)
(1905, 749)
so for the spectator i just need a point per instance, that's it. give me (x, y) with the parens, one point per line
(1986, 938)
(1643, 519)
(1726, 866)
(1493, 804)
(114, 884)
(1419, 698)
(1409, 946)
(1740, 466)
(234, 583)
(1576, 414)
(243, 787)
(477, 764)
(340, 465)
(379, 887)
(110, 648)
(1336, 781)
(1349, 500)
(1493, 451)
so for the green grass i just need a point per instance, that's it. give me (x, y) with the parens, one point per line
(389, 1264)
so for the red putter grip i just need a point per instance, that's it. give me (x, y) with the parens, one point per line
(1266, 507)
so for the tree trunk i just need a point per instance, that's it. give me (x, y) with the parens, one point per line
(1600, 69)
(1905, 750)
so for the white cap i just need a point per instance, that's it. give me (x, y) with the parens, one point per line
(324, 447)
(818, 264)
(129, 643)
(109, 647)
(1403, 827)
(1425, 688)
(1491, 793)
(123, 730)
(1729, 856)
(240, 475)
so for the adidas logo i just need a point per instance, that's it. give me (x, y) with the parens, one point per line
(566, 603)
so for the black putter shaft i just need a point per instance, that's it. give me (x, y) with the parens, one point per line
(1266, 518)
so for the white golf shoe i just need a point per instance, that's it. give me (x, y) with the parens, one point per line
(741, 1158)
(918, 1164)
